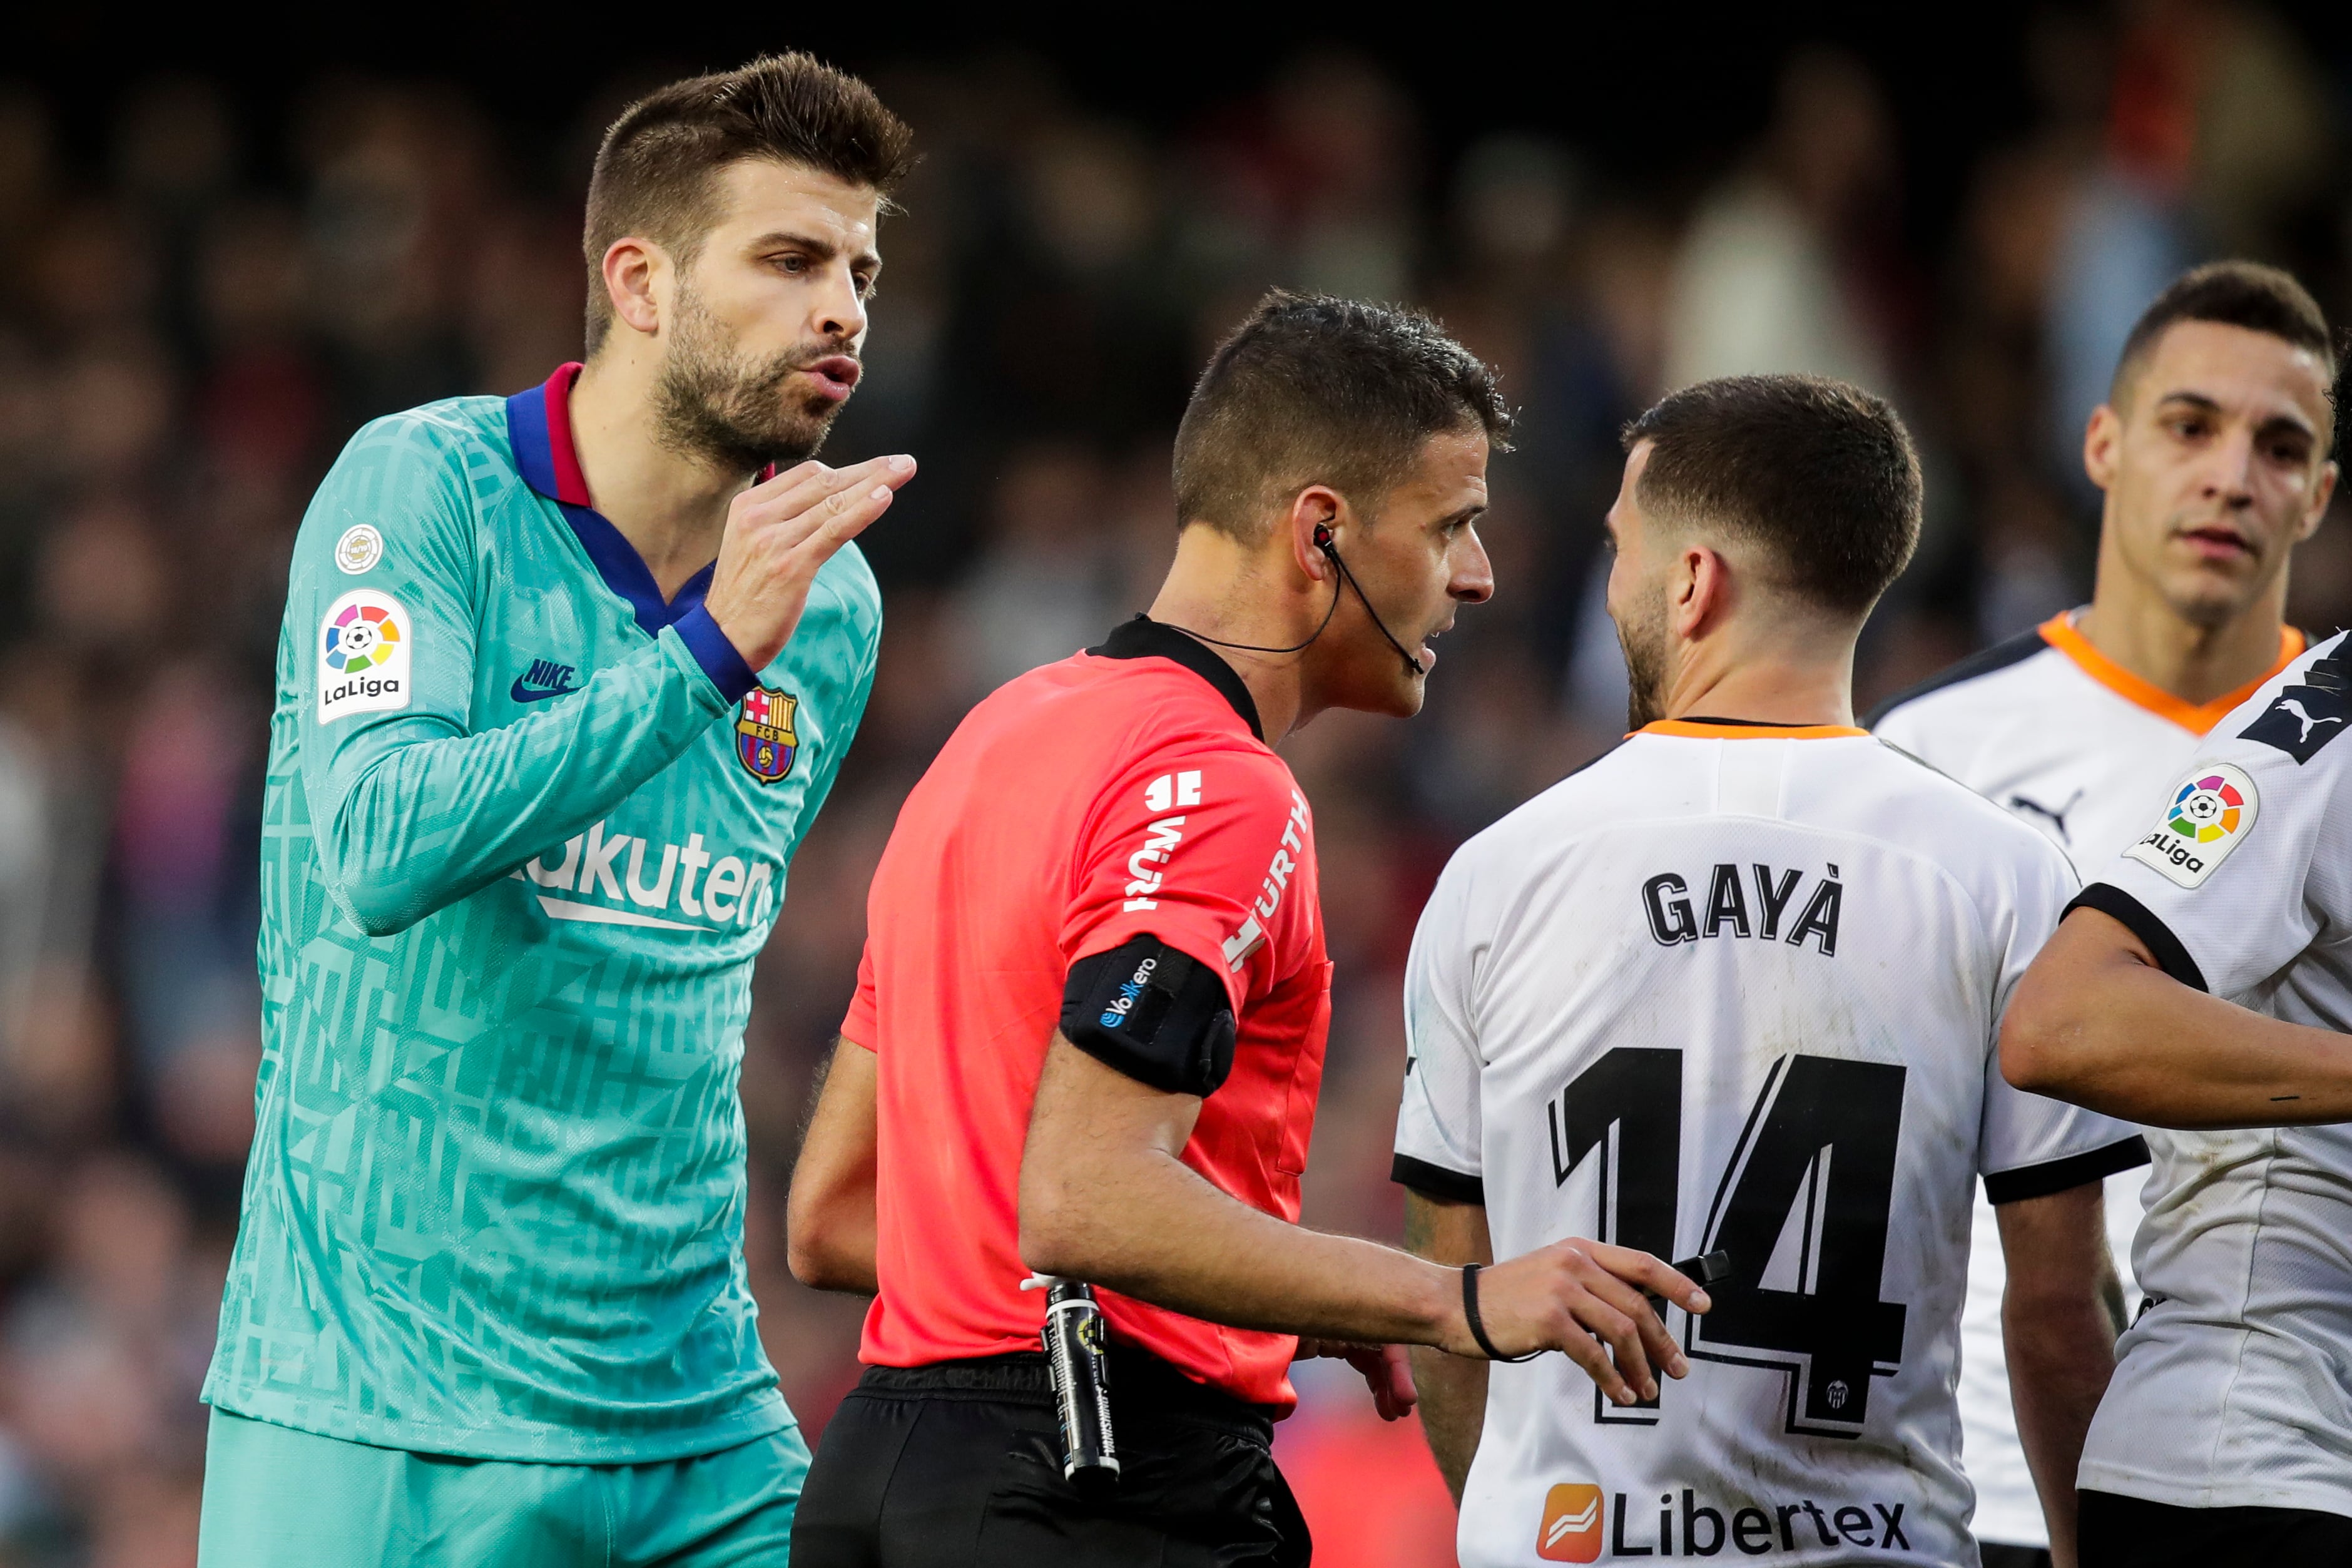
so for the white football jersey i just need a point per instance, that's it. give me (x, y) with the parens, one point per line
(1736, 988)
(2235, 1384)
(2050, 728)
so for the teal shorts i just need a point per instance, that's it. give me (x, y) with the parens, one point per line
(276, 1498)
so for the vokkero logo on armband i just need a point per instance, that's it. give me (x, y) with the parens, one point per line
(2307, 714)
(364, 644)
(2208, 816)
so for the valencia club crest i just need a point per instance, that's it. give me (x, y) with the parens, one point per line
(764, 741)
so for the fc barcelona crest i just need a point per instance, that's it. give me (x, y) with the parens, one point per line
(764, 741)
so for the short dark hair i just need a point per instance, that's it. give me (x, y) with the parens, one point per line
(657, 167)
(1820, 473)
(2235, 294)
(1313, 390)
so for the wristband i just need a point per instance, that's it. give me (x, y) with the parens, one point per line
(1478, 1328)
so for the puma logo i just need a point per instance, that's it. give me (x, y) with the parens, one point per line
(2308, 714)
(2290, 705)
(2057, 819)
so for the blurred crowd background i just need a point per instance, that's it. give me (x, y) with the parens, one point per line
(208, 289)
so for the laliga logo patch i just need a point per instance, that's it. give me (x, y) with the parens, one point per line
(2209, 815)
(364, 649)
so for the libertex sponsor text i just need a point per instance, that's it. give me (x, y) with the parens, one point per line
(603, 879)
(1578, 1526)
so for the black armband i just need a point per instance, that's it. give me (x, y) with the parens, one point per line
(1156, 1014)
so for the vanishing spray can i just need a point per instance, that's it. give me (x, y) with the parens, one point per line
(1073, 1352)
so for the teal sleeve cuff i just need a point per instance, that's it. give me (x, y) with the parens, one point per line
(715, 654)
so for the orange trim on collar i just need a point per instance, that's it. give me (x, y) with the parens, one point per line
(1692, 730)
(2059, 632)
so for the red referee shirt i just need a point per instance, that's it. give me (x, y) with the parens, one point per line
(1123, 792)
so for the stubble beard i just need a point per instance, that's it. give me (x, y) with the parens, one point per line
(1644, 644)
(741, 417)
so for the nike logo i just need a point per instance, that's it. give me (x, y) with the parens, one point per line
(543, 679)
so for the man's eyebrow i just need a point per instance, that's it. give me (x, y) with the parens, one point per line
(817, 245)
(2287, 420)
(2284, 418)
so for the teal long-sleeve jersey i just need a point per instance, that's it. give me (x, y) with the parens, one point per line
(527, 826)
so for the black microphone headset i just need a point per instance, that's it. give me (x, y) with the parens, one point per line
(1346, 579)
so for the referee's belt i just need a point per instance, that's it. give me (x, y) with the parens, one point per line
(1142, 1387)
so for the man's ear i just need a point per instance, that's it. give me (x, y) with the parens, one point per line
(635, 281)
(1318, 506)
(2101, 436)
(1698, 593)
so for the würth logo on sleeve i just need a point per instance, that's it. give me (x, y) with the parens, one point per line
(1287, 859)
(2306, 715)
(764, 741)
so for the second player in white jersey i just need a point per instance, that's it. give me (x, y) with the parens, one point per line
(1737, 989)
(2059, 736)
(2231, 1389)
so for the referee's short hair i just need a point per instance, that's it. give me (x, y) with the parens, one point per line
(656, 170)
(1313, 390)
(1819, 474)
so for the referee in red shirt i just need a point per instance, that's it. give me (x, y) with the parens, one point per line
(1088, 1031)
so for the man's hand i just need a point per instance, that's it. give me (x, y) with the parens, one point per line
(779, 532)
(1106, 1196)
(1578, 1297)
(1386, 1371)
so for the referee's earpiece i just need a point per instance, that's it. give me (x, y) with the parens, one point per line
(1324, 541)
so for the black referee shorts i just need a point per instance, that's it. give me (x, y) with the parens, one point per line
(1996, 1554)
(959, 1465)
(2120, 1532)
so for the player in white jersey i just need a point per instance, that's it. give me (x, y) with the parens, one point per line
(2227, 1435)
(1733, 990)
(2077, 725)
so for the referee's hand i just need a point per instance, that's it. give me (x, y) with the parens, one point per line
(779, 532)
(1387, 1372)
(1586, 1300)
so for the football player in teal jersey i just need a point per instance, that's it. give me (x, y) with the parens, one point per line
(563, 678)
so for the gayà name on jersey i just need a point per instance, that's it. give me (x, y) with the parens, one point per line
(1676, 915)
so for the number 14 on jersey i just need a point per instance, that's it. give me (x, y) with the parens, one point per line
(1801, 1207)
